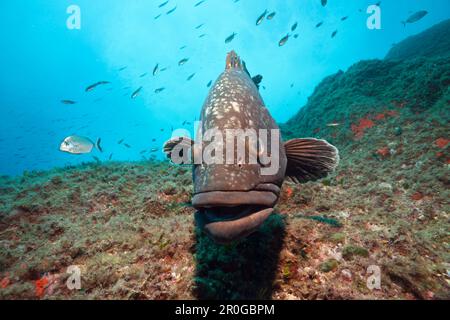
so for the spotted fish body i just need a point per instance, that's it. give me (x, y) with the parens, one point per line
(234, 198)
(234, 102)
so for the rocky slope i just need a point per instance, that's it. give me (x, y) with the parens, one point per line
(430, 43)
(130, 226)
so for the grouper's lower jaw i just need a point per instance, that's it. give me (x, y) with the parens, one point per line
(230, 215)
(226, 231)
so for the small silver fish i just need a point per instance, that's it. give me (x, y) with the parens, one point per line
(319, 24)
(171, 10)
(415, 17)
(159, 90)
(93, 86)
(156, 69)
(334, 34)
(190, 77)
(230, 38)
(136, 93)
(79, 145)
(199, 3)
(294, 26)
(283, 40)
(183, 61)
(261, 18)
(334, 124)
(68, 102)
(271, 16)
(209, 84)
(163, 4)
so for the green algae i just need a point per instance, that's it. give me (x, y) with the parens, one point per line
(322, 219)
(351, 251)
(338, 237)
(329, 265)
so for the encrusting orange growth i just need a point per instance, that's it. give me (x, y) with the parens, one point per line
(384, 152)
(359, 129)
(40, 286)
(442, 142)
(417, 196)
(4, 283)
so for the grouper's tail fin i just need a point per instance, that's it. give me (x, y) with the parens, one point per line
(233, 61)
(310, 159)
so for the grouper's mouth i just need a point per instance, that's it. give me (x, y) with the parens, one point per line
(230, 215)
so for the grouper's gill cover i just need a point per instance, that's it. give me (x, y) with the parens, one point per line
(234, 102)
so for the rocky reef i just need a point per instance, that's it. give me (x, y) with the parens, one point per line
(130, 228)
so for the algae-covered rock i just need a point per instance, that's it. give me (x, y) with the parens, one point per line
(329, 265)
(338, 237)
(350, 251)
(432, 42)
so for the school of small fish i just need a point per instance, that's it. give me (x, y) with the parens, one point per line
(80, 145)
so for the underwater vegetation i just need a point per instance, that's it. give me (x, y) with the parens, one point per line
(130, 226)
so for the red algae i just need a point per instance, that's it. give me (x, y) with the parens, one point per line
(40, 286)
(442, 143)
(289, 192)
(384, 152)
(364, 123)
(4, 283)
(417, 196)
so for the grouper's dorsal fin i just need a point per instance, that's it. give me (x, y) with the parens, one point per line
(310, 159)
(233, 61)
(179, 148)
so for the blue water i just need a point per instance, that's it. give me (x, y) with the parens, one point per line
(44, 62)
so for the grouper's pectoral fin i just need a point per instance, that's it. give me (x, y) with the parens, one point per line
(179, 150)
(310, 159)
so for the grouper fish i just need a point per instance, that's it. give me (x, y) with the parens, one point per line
(233, 199)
